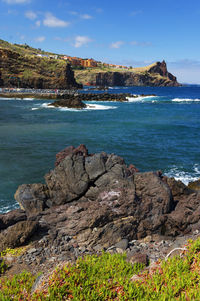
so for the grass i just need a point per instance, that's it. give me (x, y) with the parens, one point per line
(107, 277)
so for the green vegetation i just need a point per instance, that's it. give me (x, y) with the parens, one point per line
(13, 252)
(107, 277)
(3, 267)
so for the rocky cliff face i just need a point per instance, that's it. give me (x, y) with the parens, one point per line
(157, 75)
(25, 71)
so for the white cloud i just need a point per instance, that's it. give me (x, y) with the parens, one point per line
(142, 44)
(117, 44)
(40, 39)
(38, 23)
(86, 16)
(16, 1)
(52, 21)
(80, 41)
(30, 15)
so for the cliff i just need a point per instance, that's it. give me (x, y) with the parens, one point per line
(154, 75)
(22, 70)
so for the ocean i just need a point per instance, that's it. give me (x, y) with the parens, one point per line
(153, 133)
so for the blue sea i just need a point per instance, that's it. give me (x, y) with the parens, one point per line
(153, 133)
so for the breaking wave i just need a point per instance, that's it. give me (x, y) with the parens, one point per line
(184, 176)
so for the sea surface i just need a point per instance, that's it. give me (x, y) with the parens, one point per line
(153, 133)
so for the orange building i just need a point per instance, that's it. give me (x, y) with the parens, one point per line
(75, 61)
(88, 63)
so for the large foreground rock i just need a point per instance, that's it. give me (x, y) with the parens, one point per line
(96, 200)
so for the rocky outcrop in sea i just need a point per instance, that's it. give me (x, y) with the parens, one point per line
(94, 202)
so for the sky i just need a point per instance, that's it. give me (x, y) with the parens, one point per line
(130, 32)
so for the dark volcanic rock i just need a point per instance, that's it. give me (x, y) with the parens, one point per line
(70, 150)
(69, 102)
(195, 185)
(32, 197)
(96, 201)
(11, 218)
(17, 234)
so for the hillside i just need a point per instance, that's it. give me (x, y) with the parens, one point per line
(19, 67)
(153, 75)
(23, 66)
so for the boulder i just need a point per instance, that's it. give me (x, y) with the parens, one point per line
(73, 103)
(17, 234)
(32, 197)
(11, 218)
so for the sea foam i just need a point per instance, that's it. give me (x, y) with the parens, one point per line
(185, 99)
(141, 98)
(184, 176)
(89, 107)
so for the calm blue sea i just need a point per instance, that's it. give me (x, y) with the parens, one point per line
(153, 133)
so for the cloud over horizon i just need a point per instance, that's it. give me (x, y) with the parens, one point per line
(52, 21)
(80, 41)
(141, 44)
(31, 15)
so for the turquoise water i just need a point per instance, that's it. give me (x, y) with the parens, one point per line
(154, 133)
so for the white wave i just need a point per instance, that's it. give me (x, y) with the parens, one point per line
(185, 99)
(5, 209)
(99, 107)
(88, 108)
(184, 176)
(140, 98)
(11, 98)
(33, 109)
(47, 105)
(29, 98)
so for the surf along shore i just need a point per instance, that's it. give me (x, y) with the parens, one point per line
(70, 98)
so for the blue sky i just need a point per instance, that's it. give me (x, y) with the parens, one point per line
(129, 32)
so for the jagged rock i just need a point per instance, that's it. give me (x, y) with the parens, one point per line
(17, 234)
(32, 197)
(11, 218)
(195, 185)
(98, 200)
(178, 188)
(74, 103)
(185, 217)
(70, 150)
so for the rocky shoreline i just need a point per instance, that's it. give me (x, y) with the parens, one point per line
(75, 100)
(95, 202)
